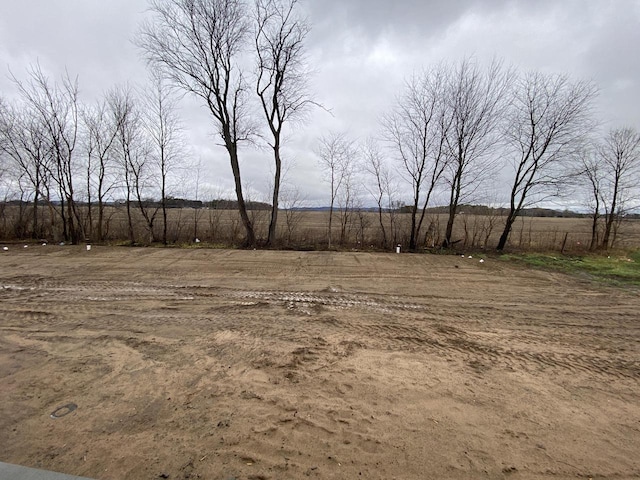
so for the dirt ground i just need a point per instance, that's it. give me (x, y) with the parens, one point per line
(222, 364)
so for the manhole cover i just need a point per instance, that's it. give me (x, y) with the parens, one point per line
(63, 410)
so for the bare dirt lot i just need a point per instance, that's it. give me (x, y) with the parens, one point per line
(222, 364)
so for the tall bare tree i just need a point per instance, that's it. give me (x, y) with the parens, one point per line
(416, 130)
(197, 44)
(337, 155)
(281, 82)
(163, 128)
(101, 133)
(127, 118)
(550, 118)
(476, 99)
(620, 154)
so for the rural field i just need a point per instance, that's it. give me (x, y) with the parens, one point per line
(308, 230)
(230, 364)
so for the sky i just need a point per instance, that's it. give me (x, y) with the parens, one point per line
(361, 51)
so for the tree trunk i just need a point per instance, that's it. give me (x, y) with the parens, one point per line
(132, 238)
(594, 230)
(63, 216)
(164, 205)
(380, 219)
(610, 217)
(163, 174)
(250, 239)
(453, 207)
(330, 221)
(164, 220)
(100, 219)
(271, 239)
(511, 217)
(100, 194)
(449, 231)
(413, 240)
(34, 232)
(73, 231)
(89, 232)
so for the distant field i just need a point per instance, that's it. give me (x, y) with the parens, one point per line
(309, 229)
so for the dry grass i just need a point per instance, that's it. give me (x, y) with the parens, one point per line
(308, 230)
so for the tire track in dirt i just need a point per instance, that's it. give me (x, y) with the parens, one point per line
(395, 336)
(338, 300)
(407, 338)
(50, 301)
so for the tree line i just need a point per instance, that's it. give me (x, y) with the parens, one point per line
(456, 133)
(464, 132)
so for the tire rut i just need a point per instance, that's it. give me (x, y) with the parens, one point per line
(388, 322)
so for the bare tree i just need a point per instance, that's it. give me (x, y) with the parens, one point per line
(620, 154)
(292, 200)
(281, 82)
(476, 99)
(591, 171)
(56, 108)
(23, 140)
(337, 155)
(550, 117)
(383, 189)
(348, 196)
(127, 118)
(164, 131)
(100, 140)
(143, 182)
(416, 129)
(196, 44)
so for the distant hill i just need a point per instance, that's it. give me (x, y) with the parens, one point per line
(526, 212)
(472, 209)
(225, 204)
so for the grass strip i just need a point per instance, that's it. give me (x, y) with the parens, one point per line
(621, 268)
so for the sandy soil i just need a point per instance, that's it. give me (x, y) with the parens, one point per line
(226, 365)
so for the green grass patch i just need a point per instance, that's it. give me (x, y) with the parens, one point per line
(619, 268)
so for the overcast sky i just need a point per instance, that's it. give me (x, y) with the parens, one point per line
(361, 51)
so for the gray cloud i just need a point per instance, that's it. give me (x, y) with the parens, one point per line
(361, 49)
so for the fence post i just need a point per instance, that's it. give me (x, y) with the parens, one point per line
(564, 242)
